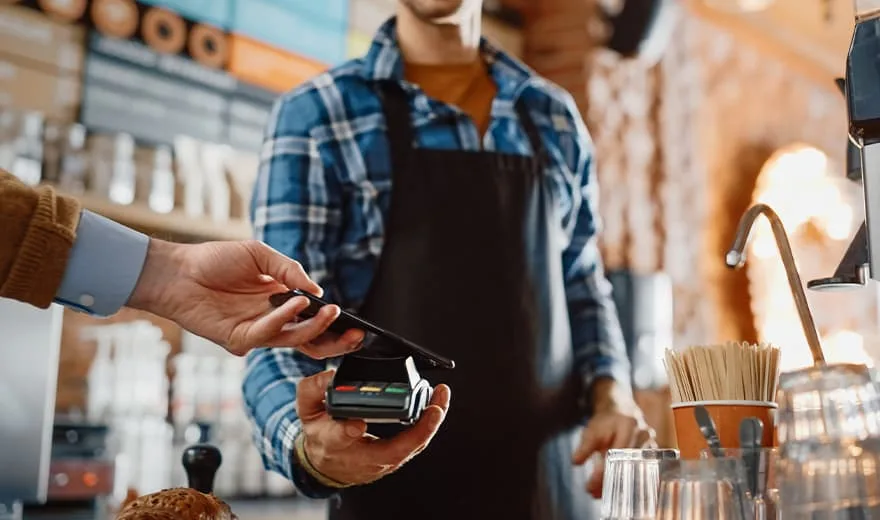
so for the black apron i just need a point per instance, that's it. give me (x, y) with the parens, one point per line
(472, 269)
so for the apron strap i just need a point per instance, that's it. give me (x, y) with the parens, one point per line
(395, 106)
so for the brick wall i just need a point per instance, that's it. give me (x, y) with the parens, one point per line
(679, 147)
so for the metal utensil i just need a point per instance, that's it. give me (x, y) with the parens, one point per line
(710, 433)
(751, 431)
(707, 428)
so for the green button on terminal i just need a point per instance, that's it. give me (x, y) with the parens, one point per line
(396, 390)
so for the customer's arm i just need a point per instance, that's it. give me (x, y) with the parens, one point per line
(38, 230)
(50, 249)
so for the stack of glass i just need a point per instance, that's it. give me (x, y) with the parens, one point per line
(829, 435)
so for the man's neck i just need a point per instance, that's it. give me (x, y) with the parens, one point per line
(438, 44)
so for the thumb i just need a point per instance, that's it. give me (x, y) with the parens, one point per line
(589, 444)
(594, 485)
(262, 331)
(310, 396)
(283, 269)
(317, 424)
(413, 440)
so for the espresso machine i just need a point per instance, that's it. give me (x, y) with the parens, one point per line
(861, 87)
(30, 345)
(50, 467)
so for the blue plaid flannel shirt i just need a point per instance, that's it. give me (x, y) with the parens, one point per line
(322, 195)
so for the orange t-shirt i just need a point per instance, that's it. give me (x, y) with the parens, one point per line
(467, 86)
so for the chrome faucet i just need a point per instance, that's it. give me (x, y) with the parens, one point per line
(736, 258)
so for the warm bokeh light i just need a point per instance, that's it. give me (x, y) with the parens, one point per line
(745, 6)
(802, 187)
(846, 346)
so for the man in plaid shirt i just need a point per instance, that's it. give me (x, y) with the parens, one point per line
(441, 189)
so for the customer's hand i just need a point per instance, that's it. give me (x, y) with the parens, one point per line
(617, 423)
(344, 452)
(220, 291)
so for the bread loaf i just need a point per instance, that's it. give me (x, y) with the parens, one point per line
(176, 504)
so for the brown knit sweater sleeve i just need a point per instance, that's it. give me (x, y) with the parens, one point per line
(37, 230)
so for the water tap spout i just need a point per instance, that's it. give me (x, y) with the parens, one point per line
(736, 258)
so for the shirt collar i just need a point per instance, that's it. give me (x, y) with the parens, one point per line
(384, 62)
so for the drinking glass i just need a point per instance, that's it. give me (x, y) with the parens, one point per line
(830, 480)
(712, 489)
(11, 511)
(759, 466)
(631, 483)
(832, 402)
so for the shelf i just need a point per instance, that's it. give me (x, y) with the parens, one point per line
(176, 225)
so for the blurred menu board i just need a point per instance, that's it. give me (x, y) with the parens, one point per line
(129, 87)
(170, 75)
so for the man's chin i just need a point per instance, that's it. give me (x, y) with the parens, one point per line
(437, 12)
(443, 15)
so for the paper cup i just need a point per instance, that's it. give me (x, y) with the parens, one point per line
(727, 416)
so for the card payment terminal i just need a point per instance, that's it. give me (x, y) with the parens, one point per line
(380, 383)
(394, 392)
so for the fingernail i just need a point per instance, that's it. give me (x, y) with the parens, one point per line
(352, 431)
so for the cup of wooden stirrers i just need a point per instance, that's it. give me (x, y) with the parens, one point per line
(733, 381)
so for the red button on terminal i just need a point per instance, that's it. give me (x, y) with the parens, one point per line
(346, 388)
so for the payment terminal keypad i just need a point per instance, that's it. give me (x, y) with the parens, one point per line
(401, 401)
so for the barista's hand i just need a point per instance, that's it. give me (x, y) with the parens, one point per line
(220, 291)
(344, 452)
(617, 423)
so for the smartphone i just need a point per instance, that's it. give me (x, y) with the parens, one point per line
(347, 321)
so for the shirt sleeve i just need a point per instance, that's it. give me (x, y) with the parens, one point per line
(600, 351)
(104, 266)
(296, 210)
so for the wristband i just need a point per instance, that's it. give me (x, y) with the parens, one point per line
(303, 459)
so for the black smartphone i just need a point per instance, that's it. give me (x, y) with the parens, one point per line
(347, 321)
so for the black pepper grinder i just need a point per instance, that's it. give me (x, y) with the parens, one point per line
(201, 463)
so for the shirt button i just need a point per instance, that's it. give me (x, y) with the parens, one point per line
(86, 300)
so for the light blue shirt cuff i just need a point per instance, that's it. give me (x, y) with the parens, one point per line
(104, 266)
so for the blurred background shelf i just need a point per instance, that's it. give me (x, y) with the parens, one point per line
(175, 225)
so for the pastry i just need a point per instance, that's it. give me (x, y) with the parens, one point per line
(176, 504)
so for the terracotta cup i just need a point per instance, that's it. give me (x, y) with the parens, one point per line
(727, 416)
